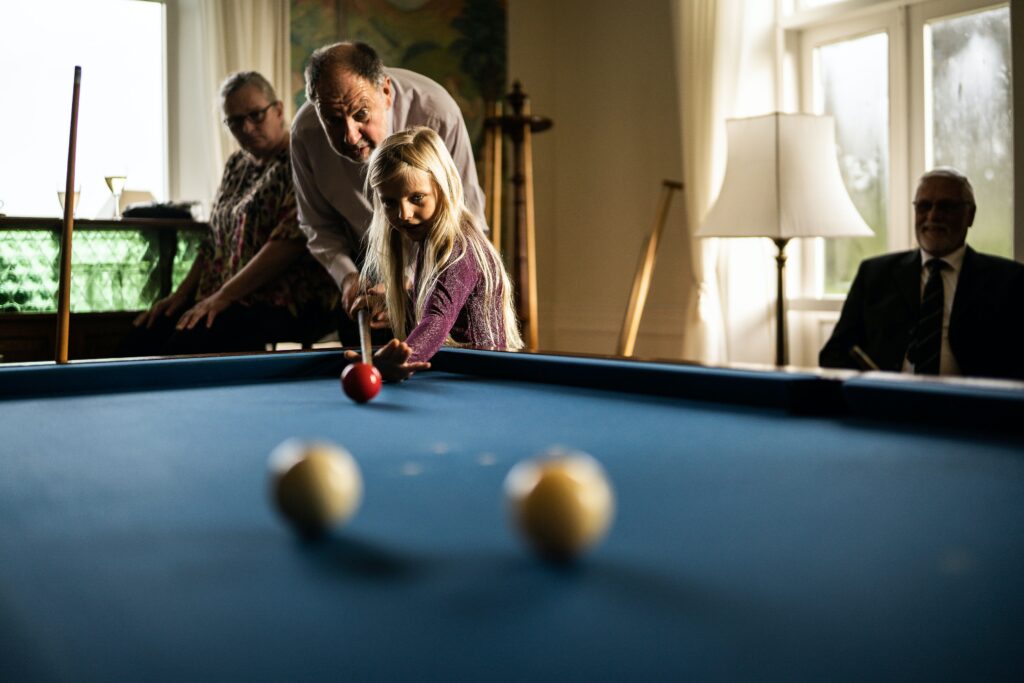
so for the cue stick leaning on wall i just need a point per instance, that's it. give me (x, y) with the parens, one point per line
(64, 280)
(644, 271)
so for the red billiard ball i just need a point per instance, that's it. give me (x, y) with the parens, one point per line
(361, 381)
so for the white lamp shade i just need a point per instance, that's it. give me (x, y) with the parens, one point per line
(782, 181)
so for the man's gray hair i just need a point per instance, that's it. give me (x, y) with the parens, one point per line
(950, 173)
(240, 79)
(357, 58)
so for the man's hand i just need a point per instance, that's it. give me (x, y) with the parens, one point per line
(349, 293)
(166, 307)
(371, 299)
(392, 360)
(207, 310)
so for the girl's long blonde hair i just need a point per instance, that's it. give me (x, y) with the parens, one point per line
(452, 236)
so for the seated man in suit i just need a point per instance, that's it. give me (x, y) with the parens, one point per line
(943, 309)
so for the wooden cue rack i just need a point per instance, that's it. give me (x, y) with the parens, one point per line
(519, 126)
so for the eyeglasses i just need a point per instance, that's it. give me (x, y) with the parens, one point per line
(254, 117)
(942, 206)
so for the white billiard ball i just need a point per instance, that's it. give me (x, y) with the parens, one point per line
(561, 502)
(315, 485)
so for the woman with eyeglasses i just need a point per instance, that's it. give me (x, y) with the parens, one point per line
(253, 281)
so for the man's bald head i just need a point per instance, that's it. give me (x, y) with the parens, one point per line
(346, 84)
(355, 58)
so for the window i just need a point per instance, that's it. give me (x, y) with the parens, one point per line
(121, 132)
(968, 120)
(852, 85)
(910, 88)
(119, 45)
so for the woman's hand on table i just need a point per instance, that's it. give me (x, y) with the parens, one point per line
(165, 307)
(207, 310)
(392, 360)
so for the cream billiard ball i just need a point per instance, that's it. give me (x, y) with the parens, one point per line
(315, 485)
(561, 502)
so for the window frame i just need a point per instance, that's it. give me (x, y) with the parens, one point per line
(900, 235)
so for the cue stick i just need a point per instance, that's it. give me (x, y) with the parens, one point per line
(64, 278)
(644, 270)
(863, 359)
(364, 337)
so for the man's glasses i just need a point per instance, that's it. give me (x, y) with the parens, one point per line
(254, 117)
(943, 205)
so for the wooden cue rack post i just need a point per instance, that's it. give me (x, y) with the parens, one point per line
(644, 271)
(519, 126)
(493, 163)
(64, 276)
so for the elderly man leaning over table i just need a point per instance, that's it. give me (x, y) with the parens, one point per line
(353, 103)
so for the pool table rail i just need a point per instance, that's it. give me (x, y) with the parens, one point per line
(944, 403)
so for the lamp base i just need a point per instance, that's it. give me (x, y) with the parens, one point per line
(781, 350)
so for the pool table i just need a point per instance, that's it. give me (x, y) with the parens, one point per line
(771, 525)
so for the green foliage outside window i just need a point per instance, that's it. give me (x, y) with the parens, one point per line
(111, 270)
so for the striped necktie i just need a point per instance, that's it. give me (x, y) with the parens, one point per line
(926, 341)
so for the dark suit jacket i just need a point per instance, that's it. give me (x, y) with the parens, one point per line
(986, 326)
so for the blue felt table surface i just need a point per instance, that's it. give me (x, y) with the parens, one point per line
(137, 541)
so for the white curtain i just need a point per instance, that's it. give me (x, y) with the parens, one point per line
(244, 35)
(724, 51)
(705, 43)
(746, 270)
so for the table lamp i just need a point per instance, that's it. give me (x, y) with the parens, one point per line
(782, 181)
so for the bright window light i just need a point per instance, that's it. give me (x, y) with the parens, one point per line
(121, 127)
(852, 87)
(969, 104)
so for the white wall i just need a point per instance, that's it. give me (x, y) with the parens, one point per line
(605, 73)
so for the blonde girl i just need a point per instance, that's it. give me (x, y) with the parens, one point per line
(460, 291)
